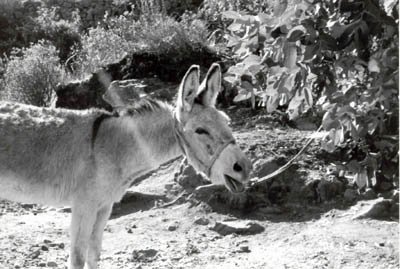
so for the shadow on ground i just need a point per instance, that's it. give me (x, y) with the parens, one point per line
(135, 201)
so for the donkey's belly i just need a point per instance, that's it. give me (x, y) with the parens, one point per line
(18, 189)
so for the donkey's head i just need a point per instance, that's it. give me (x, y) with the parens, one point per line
(204, 134)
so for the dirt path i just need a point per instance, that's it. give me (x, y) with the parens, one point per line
(169, 238)
(292, 233)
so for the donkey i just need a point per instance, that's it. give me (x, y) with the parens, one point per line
(87, 159)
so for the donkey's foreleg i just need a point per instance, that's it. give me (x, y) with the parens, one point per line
(83, 219)
(97, 236)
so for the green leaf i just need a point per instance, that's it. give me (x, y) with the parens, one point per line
(372, 125)
(267, 19)
(297, 105)
(328, 146)
(308, 97)
(237, 70)
(337, 136)
(271, 103)
(283, 99)
(230, 79)
(243, 94)
(311, 52)
(354, 166)
(290, 54)
(328, 42)
(277, 70)
(230, 14)
(247, 85)
(329, 122)
(252, 59)
(253, 100)
(271, 90)
(346, 110)
(233, 41)
(361, 179)
(288, 84)
(235, 27)
(242, 97)
(252, 43)
(373, 66)
(389, 6)
(296, 33)
(255, 69)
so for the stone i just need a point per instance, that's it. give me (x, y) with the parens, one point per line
(34, 255)
(375, 209)
(173, 227)
(64, 210)
(309, 190)
(244, 249)
(264, 167)
(269, 210)
(202, 221)
(263, 119)
(51, 264)
(237, 227)
(385, 186)
(192, 249)
(350, 195)
(392, 194)
(329, 188)
(144, 255)
(394, 211)
(369, 194)
(305, 124)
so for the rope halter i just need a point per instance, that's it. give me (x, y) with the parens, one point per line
(206, 165)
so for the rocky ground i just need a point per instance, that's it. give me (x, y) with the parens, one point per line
(308, 217)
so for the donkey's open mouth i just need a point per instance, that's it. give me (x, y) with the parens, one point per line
(233, 185)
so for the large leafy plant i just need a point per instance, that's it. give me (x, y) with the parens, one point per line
(269, 69)
(339, 58)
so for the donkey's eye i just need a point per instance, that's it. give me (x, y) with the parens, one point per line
(201, 131)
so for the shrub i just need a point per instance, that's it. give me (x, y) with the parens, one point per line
(32, 74)
(19, 27)
(10, 27)
(62, 33)
(154, 33)
(99, 47)
(339, 59)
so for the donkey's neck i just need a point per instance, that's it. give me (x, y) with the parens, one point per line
(141, 141)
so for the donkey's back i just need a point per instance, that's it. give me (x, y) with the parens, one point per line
(44, 153)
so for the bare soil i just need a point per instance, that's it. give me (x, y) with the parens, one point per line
(303, 224)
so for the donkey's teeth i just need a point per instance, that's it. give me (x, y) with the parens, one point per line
(233, 185)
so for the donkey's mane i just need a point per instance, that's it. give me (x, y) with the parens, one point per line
(142, 107)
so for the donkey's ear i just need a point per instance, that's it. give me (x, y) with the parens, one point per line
(211, 86)
(188, 88)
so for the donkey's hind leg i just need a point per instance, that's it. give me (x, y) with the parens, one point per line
(97, 236)
(83, 219)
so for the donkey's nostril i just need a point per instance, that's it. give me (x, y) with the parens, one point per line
(237, 167)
